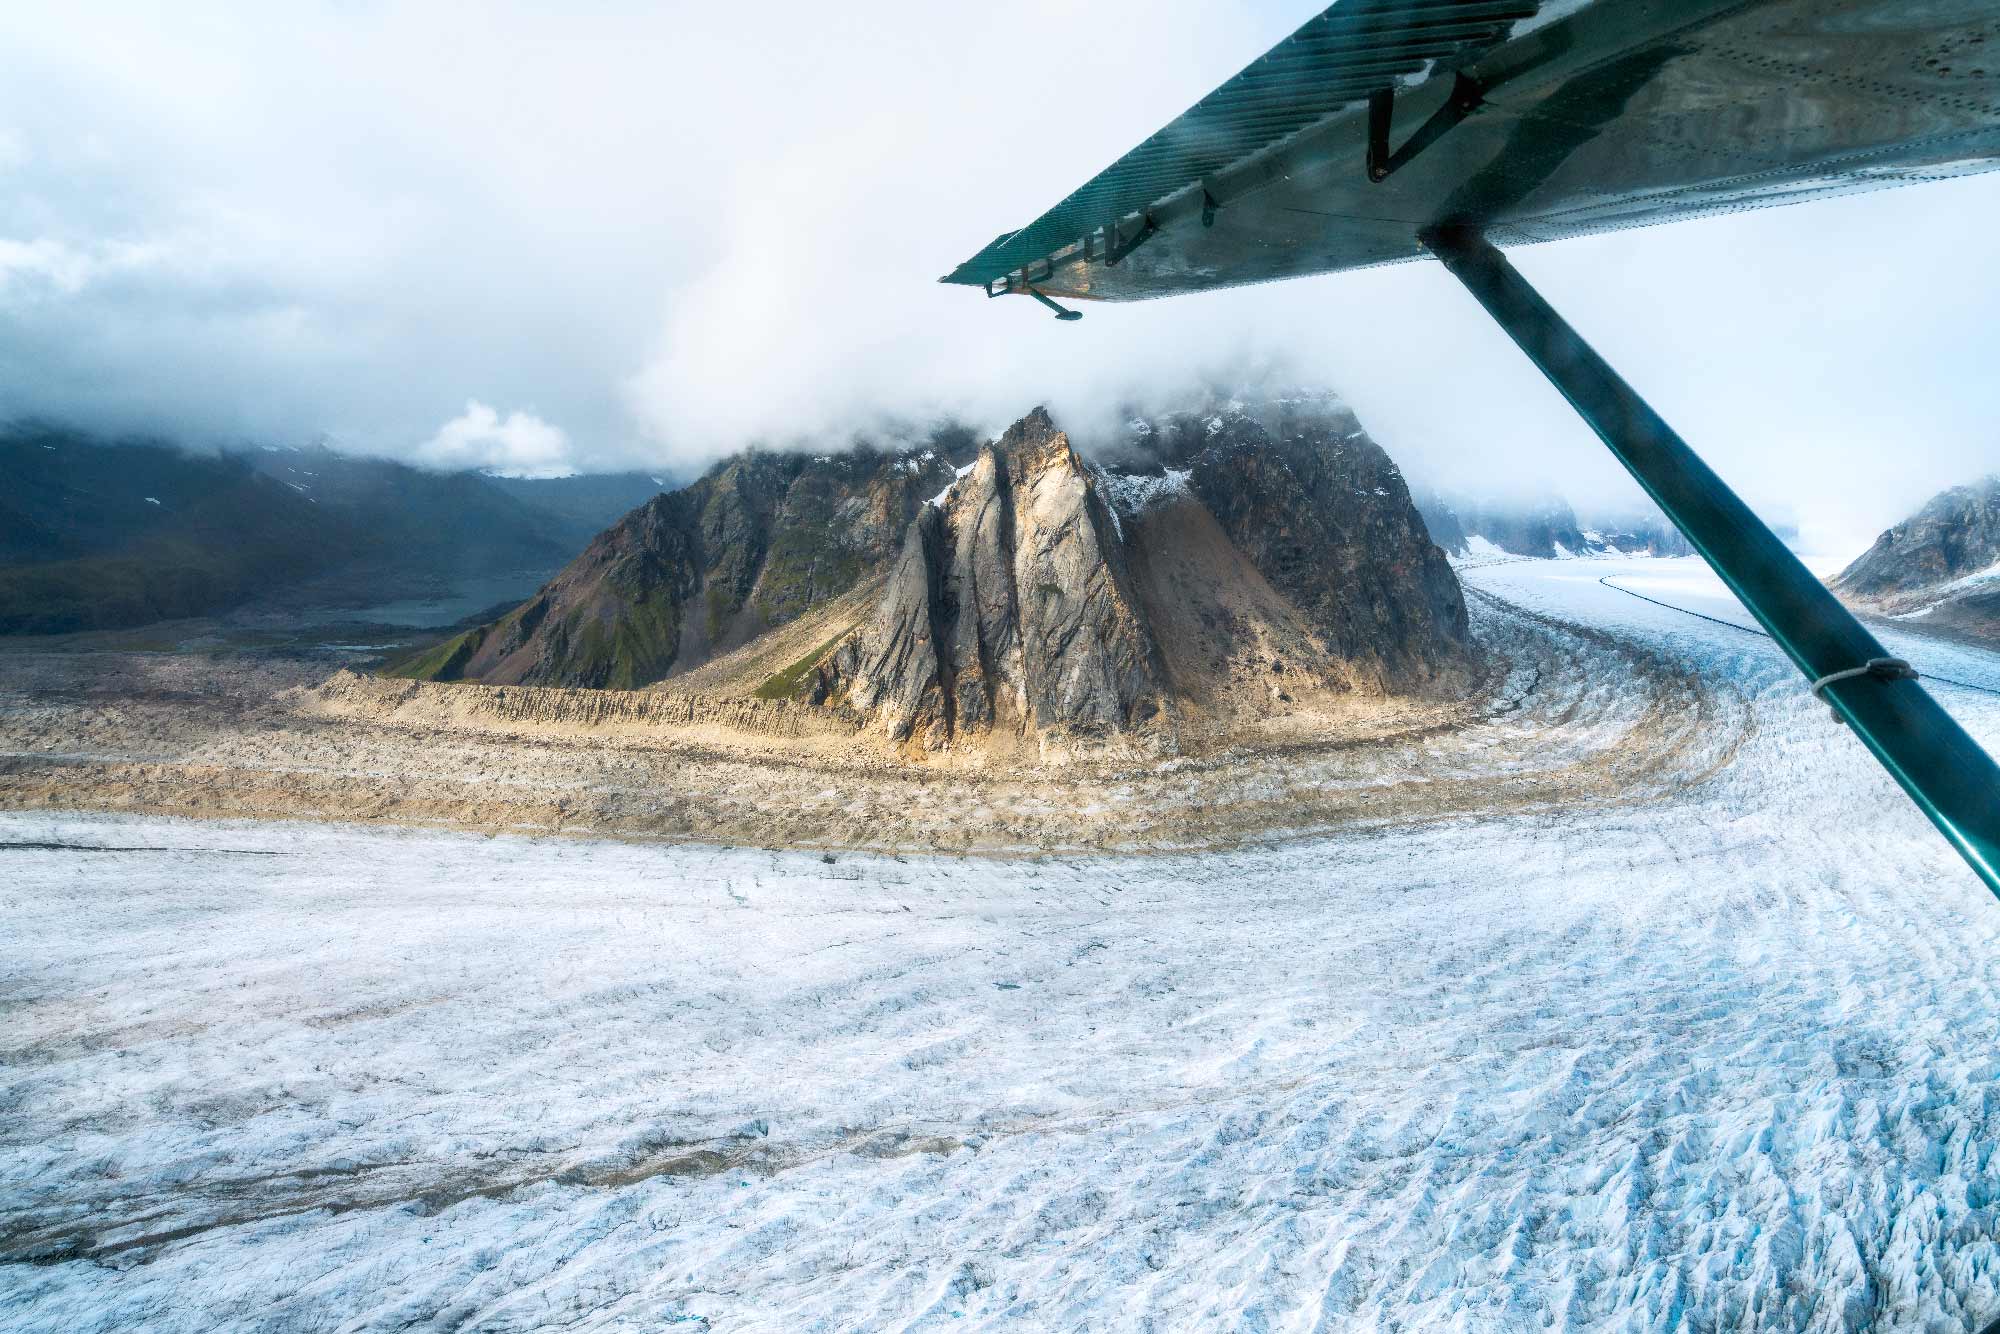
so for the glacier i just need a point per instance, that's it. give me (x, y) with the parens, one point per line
(1722, 1057)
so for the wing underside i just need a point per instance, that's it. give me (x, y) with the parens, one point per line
(1528, 122)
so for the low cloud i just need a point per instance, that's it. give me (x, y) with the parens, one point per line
(519, 445)
(42, 262)
(676, 232)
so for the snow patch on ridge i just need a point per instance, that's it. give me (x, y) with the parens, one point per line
(1967, 582)
(941, 497)
(1943, 593)
(1132, 494)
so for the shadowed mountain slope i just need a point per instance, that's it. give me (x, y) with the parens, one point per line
(696, 572)
(98, 534)
(1938, 568)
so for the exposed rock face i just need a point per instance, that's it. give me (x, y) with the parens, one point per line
(1942, 564)
(755, 542)
(1010, 606)
(1041, 595)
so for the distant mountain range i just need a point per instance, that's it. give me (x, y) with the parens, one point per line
(97, 534)
(1544, 527)
(1234, 559)
(1938, 569)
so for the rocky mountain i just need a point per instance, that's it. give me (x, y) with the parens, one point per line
(582, 505)
(1056, 596)
(1225, 561)
(1940, 566)
(1323, 514)
(102, 534)
(1545, 527)
(1011, 606)
(693, 573)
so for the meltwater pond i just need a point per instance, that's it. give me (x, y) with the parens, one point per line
(1724, 1058)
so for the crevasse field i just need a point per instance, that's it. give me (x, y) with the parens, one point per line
(1721, 1060)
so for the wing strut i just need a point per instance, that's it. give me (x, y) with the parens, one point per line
(1945, 772)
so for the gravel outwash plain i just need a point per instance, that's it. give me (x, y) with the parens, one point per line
(1565, 714)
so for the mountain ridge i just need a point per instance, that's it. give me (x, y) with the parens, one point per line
(1545, 527)
(102, 534)
(1251, 559)
(697, 571)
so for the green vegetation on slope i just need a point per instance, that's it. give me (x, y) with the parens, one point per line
(441, 661)
(634, 649)
(805, 567)
(786, 684)
(219, 551)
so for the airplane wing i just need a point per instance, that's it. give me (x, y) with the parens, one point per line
(1523, 121)
(1385, 130)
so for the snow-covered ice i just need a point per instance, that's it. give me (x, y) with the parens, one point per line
(1480, 550)
(1722, 1058)
(1974, 582)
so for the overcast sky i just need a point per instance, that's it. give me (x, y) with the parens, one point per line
(494, 235)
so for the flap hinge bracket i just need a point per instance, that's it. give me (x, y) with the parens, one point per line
(1116, 247)
(1466, 97)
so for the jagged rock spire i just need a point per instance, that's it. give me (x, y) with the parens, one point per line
(1010, 607)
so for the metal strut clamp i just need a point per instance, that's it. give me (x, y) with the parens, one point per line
(1880, 669)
